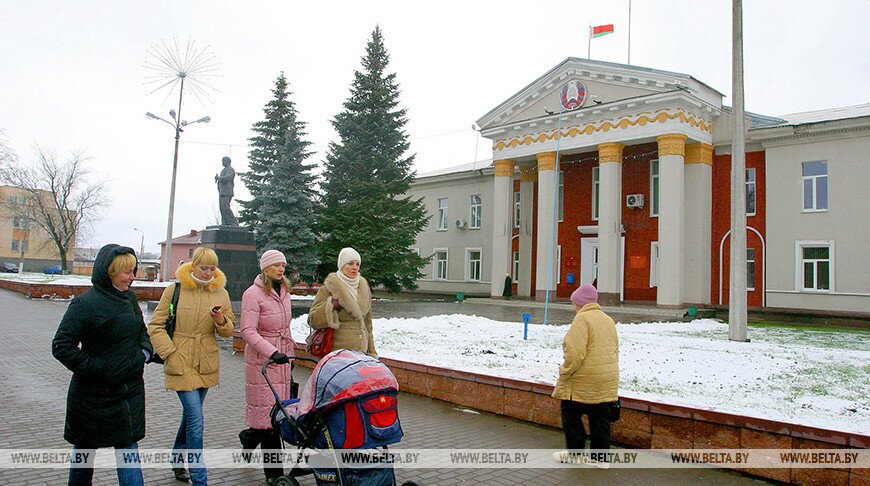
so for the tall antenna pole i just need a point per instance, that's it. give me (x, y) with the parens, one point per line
(629, 32)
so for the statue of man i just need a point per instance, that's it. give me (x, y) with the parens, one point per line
(224, 182)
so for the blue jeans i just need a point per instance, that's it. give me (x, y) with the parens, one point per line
(127, 476)
(189, 435)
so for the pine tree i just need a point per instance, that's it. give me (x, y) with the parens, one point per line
(366, 177)
(282, 208)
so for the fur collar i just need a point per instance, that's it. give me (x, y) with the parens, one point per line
(183, 274)
(338, 289)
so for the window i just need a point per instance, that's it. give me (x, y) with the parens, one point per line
(16, 222)
(654, 188)
(442, 214)
(440, 264)
(516, 209)
(654, 264)
(516, 266)
(750, 269)
(558, 263)
(561, 195)
(472, 264)
(475, 212)
(815, 265)
(815, 185)
(21, 200)
(595, 191)
(14, 245)
(750, 192)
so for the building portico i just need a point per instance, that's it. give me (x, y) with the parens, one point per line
(628, 107)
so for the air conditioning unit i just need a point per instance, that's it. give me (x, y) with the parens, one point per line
(460, 223)
(634, 201)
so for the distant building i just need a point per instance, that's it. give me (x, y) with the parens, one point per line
(182, 251)
(639, 200)
(21, 239)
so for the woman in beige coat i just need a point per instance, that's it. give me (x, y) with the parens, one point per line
(344, 303)
(589, 376)
(192, 355)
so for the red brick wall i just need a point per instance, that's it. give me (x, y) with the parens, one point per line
(640, 228)
(722, 223)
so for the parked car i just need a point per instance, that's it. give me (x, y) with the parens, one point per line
(52, 270)
(9, 268)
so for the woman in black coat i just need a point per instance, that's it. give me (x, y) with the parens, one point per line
(102, 339)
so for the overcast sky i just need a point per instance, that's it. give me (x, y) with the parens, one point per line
(72, 75)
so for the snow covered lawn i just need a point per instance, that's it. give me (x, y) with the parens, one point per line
(811, 377)
(47, 279)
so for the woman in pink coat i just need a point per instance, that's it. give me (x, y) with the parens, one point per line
(266, 330)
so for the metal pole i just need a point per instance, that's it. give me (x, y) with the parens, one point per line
(555, 228)
(589, 43)
(737, 271)
(629, 32)
(168, 259)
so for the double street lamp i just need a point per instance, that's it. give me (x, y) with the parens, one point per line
(178, 124)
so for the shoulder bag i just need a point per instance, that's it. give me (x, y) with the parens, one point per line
(170, 319)
(320, 342)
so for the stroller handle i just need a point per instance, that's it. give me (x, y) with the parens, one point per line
(271, 361)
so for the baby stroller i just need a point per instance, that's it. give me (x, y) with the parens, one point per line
(350, 402)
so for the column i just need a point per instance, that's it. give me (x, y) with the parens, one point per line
(672, 149)
(547, 189)
(528, 177)
(502, 202)
(609, 222)
(698, 214)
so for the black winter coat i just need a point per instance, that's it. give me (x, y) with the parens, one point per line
(105, 405)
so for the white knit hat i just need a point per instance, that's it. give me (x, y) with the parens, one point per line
(347, 255)
(271, 257)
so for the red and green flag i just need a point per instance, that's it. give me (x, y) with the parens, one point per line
(600, 30)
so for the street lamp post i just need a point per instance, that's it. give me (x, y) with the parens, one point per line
(178, 125)
(142, 244)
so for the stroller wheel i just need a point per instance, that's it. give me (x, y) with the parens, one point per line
(282, 481)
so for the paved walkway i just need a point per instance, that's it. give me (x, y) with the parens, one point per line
(33, 392)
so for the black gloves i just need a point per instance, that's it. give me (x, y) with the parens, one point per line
(279, 358)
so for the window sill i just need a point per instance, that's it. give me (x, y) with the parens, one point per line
(810, 211)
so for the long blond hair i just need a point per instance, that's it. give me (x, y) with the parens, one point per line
(267, 287)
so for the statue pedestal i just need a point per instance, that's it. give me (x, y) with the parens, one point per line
(237, 253)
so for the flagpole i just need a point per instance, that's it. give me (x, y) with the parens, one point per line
(629, 32)
(589, 43)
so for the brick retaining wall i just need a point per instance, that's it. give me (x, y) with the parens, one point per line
(643, 424)
(48, 291)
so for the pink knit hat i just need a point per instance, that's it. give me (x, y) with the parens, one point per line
(585, 294)
(271, 257)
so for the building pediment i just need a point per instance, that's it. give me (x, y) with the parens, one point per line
(605, 83)
(592, 98)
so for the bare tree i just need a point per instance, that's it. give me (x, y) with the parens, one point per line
(7, 155)
(56, 196)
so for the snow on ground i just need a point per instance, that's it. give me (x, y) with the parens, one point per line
(805, 376)
(46, 279)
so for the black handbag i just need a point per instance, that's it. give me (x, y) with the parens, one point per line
(170, 319)
(613, 410)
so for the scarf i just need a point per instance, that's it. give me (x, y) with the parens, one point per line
(352, 283)
(201, 282)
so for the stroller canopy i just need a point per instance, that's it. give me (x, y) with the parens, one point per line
(344, 375)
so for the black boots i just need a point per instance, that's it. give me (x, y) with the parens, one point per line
(250, 439)
(181, 474)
